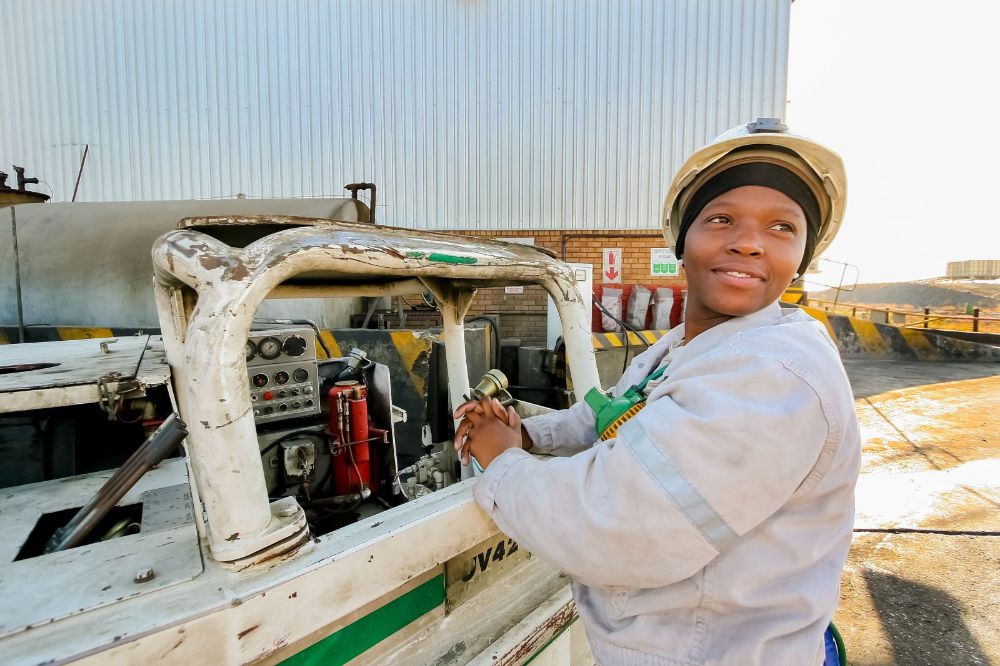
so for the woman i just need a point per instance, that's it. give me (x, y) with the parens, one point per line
(713, 528)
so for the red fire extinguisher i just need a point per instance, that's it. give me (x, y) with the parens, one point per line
(350, 441)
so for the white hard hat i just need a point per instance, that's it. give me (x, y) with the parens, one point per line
(767, 140)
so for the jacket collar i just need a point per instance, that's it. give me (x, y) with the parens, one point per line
(766, 316)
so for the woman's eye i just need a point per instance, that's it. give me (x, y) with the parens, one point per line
(783, 226)
(718, 219)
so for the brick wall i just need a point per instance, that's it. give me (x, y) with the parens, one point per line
(523, 315)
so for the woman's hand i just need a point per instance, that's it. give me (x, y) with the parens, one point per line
(487, 430)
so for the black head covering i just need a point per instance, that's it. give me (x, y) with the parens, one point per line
(757, 173)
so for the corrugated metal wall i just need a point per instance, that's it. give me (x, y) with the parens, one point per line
(551, 114)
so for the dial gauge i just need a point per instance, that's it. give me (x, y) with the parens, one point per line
(250, 349)
(269, 348)
(281, 377)
(295, 345)
(259, 380)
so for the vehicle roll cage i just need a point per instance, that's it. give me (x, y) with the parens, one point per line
(207, 292)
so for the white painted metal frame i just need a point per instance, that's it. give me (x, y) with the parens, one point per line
(204, 338)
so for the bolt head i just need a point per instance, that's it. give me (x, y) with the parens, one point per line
(144, 575)
(288, 511)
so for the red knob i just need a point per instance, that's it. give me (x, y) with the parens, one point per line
(268, 395)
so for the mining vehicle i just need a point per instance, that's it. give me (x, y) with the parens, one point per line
(231, 490)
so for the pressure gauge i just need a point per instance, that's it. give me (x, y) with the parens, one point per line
(281, 377)
(295, 345)
(269, 348)
(259, 380)
(250, 350)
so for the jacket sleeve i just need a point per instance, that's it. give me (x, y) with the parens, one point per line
(570, 431)
(723, 449)
(562, 433)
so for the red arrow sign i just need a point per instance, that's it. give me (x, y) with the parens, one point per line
(612, 259)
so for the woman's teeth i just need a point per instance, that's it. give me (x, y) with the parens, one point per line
(738, 274)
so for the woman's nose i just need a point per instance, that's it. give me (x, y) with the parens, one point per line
(746, 242)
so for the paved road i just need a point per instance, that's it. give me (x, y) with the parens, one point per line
(922, 584)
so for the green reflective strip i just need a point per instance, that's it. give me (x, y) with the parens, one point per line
(451, 259)
(347, 643)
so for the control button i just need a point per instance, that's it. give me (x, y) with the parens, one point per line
(282, 393)
(256, 412)
(268, 409)
(295, 391)
(300, 375)
(308, 390)
(296, 405)
(254, 397)
(309, 403)
(283, 407)
(268, 395)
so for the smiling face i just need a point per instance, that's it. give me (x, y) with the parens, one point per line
(740, 253)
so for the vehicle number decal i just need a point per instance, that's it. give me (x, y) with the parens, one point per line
(480, 561)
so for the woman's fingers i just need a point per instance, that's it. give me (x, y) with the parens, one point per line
(466, 407)
(462, 432)
(498, 410)
(513, 420)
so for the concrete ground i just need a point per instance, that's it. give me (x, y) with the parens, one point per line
(922, 583)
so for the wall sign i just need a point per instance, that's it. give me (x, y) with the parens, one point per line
(663, 263)
(612, 273)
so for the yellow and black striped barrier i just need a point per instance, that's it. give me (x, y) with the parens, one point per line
(618, 340)
(860, 337)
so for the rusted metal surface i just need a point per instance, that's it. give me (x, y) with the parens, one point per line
(540, 635)
(354, 188)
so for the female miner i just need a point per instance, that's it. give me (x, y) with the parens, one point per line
(713, 527)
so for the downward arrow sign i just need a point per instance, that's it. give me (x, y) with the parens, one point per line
(612, 259)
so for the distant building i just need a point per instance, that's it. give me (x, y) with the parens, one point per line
(974, 269)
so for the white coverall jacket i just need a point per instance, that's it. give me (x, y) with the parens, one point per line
(714, 529)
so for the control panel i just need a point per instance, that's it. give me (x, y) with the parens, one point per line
(282, 371)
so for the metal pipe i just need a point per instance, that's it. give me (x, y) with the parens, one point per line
(110, 486)
(458, 369)
(17, 276)
(354, 187)
(158, 446)
(79, 174)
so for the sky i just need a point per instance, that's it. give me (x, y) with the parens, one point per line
(908, 94)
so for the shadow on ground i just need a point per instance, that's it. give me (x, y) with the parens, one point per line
(923, 625)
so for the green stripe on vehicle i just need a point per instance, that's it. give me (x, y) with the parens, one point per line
(452, 259)
(347, 643)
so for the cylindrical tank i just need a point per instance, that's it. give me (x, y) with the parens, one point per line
(88, 264)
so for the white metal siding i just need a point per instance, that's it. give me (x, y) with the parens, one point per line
(553, 114)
